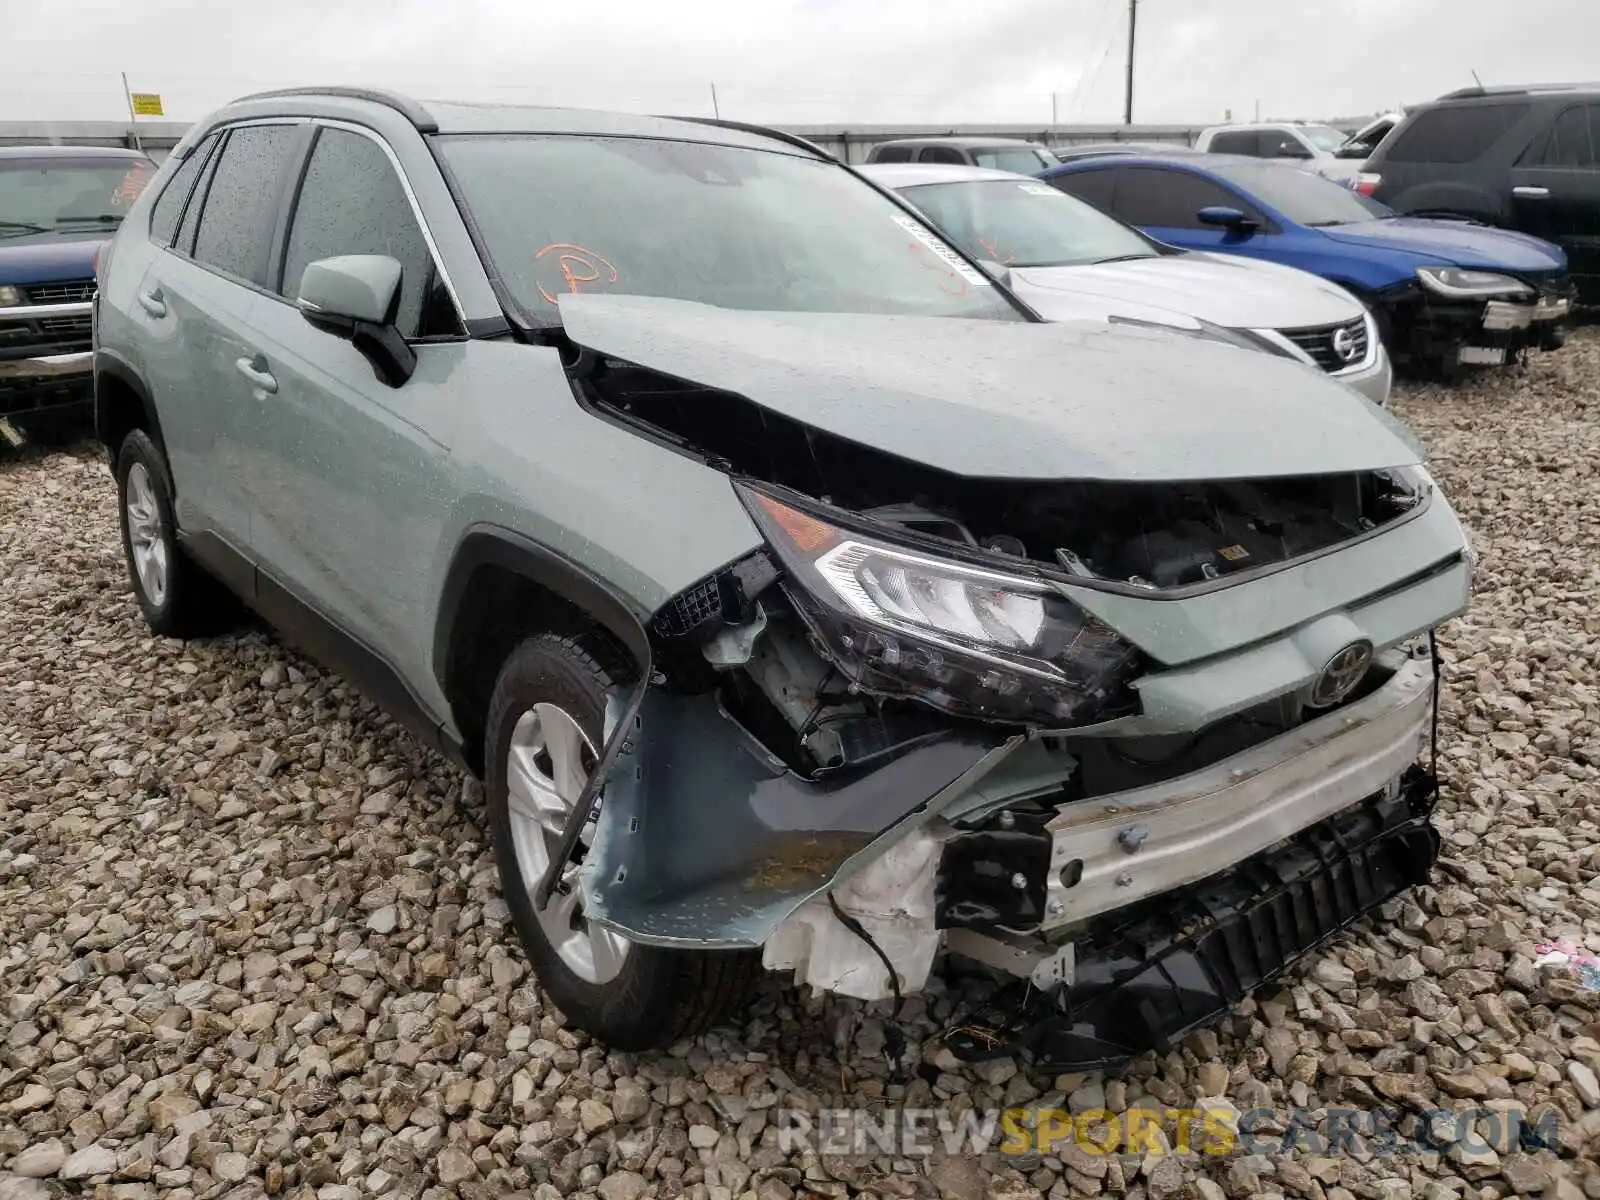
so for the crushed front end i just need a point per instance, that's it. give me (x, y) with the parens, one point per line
(1134, 747)
(1450, 317)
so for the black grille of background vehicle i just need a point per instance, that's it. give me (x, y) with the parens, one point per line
(67, 326)
(1318, 343)
(71, 291)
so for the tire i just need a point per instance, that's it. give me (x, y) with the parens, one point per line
(635, 997)
(180, 600)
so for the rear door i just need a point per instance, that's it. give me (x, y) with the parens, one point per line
(1555, 190)
(197, 300)
(350, 485)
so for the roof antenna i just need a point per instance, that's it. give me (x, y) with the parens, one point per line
(1476, 80)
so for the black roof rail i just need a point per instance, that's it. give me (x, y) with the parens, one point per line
(1519, 89)
(763, 130)
(404, 105)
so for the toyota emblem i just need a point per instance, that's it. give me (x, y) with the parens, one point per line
(1344, 345)
(1341, 674)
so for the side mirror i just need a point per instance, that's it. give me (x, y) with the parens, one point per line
(358, 296)
(1000, 274)
(1352, 150)
(1232, 219)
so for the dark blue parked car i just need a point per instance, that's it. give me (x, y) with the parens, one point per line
(58, 206)
(1444, 292)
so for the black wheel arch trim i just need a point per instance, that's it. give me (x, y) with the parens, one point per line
(110, 363)
(485, 544)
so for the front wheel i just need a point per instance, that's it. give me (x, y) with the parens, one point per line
(543, 736)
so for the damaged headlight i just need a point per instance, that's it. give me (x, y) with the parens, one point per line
(1459, 283)
(965, 639)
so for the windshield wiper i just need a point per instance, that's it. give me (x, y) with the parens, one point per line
(98, 219)
(24, 227)
(1100, 262)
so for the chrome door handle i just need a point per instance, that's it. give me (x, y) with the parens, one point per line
(264, 380)
(1530, 193)
(153, 302)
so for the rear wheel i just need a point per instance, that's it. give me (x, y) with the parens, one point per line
(177, 597)
(544, 734)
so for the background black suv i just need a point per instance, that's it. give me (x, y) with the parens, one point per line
(1525, 158)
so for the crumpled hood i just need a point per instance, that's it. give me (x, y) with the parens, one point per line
(1455, 244)
(1018, 400)
(48, 258)
(1226, 290)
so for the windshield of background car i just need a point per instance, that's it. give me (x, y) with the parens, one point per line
(1024, 223)
(41, 195)
(728, 226)
(1022, 161)
(1304, 198)
(1323, 137)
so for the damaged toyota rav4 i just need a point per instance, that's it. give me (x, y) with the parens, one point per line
(797, 609)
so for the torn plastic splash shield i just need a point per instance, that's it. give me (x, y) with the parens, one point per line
(705, 839)
(1145, 977)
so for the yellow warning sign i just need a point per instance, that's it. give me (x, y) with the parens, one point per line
(146, 104)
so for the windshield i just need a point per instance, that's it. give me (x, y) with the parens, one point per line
(1024, 160)
(1304, 198)
(1323, 137)
(1023, 223)
(734, 227)
(40, 195)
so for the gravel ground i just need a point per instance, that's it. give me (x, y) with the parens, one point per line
(253, 941)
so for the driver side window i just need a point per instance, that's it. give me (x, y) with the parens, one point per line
(1283, 145)
(1167, 199)
(352, 202)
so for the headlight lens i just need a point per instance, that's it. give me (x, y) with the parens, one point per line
(962, 638)
(1461, 283)
(10, 297)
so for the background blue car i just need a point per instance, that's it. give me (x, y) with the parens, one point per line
(1444, 292)
(58, 206)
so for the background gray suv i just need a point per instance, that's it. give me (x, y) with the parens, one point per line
(673, 459)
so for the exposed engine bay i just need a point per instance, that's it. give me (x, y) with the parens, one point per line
(1156, 536)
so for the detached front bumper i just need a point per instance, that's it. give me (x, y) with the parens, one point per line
(1422, 327)
(705, 840)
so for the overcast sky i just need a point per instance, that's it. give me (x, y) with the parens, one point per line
(798, 61)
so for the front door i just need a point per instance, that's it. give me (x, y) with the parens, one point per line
(347, 492)
(1555, 191)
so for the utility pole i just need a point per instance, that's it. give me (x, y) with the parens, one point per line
(1133, 22)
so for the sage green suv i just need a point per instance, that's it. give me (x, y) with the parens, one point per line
(804, 601)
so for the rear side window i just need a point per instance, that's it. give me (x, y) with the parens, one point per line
(892, 154)
(941, 154)
(236, 228)
(352, 202)
(1237, 142)
(169, 205)
(1151, 196)
(1574, 139)
(1453, 133)
(1092, 187)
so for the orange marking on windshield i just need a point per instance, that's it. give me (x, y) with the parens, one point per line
(578, 265)
(132, 184)
(938, 264)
